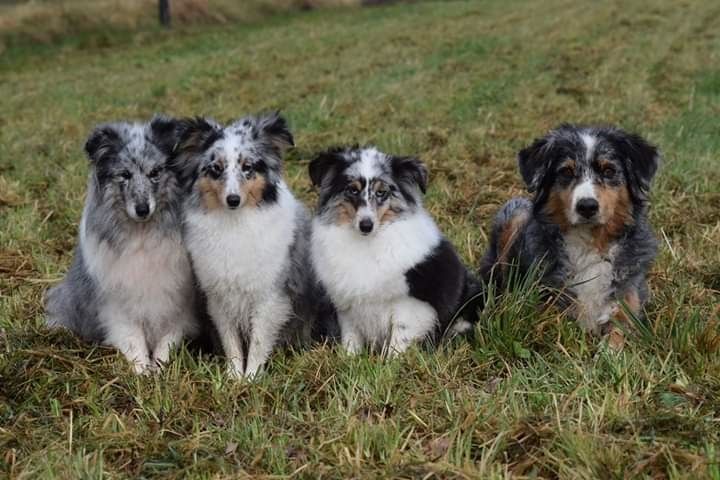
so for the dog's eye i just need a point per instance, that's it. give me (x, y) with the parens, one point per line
(566, 172)
(246, 168)
(382, 194)
(352, 190)
(126, 175)
(214, 171)
(608, 172)
(154, 173)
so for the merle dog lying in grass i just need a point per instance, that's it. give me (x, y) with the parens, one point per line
(586, 224)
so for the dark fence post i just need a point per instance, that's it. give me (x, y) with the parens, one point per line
(165, 13)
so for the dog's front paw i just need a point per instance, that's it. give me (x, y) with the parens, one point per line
(142, 368)
(235, 371)
(616, 339)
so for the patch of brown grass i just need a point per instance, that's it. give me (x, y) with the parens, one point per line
(46, 22)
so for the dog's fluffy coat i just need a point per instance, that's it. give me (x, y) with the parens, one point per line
(586, 224)
(389, 272)
(247, 236)
(130, 284)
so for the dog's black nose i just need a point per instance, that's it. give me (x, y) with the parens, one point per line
(142, 210)
(587, 207)
(366, 225)
(233, 200)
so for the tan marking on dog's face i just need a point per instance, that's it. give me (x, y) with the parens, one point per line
(510, 233)
(386, 214)
(379, 185)
(604, 163)
(356, 184)
(615, 214)
(558, 204)
(252, 189)
(345, 213)
(386, 210)
(567, 163)
(211, 192)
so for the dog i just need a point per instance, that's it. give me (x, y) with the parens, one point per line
(391, 275)
(130, 284)
(247, 235)
(586, 225)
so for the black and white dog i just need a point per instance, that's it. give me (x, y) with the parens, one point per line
(391, 275)
(130, 284)
(586, 224)
(247, 236)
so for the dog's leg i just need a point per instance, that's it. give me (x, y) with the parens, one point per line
(616, 337)
(228, 329)
(352, 339)
(232, 346)
(128, 337)
(167, 342)
(269, 318)
(413, 320)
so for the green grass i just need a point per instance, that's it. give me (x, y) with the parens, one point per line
(464, 85)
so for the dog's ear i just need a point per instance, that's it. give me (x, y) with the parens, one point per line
(195, 135)
(410, 171)
(323, 164)
(164, 133)
(534, 163)
(640, 160)
(275, 128)
(192, 137)
(103, 143)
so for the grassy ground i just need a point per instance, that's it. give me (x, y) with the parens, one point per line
(463, 84)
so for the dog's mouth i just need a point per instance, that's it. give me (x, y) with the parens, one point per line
(586, 221)
(138, 219)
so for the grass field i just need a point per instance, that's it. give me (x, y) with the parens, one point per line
(464, 84)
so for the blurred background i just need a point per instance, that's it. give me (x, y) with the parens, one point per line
(51, 20)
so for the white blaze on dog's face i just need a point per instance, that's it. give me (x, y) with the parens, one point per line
(592, 176)
(584, 206)
(235, 166)
(365, 189)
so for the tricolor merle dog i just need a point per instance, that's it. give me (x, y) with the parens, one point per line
(391, 275)
(586, 225)
(247, 236)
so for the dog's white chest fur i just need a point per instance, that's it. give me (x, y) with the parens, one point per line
(146, 292)
(365, 276)
(239, 255)
(149, 274)
(590, 277)
(355, 268)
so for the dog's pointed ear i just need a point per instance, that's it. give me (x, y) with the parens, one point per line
(324, 163)
(104, 142)
(410, 170)
(164, 133)
(195, 135)
(640, 159)
(533, 163)
(274, 127)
